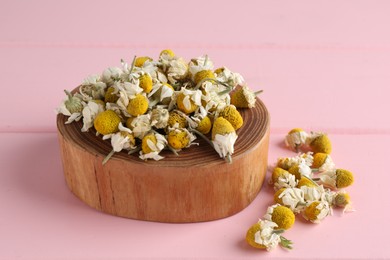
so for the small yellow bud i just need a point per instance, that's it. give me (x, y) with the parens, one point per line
(138, 105)
(231, 114)
(107, 122)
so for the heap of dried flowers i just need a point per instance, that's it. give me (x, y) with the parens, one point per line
(153, 105)
(307, 184)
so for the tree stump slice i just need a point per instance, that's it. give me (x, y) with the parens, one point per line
(195, 186)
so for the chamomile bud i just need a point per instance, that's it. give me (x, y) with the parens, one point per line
(107, 122)
(317, 211)
(323, 162)
(202, 75)
(243, 98)
(185, 103)
(138, 105)
(281, 215)
(320, 143)
(145, 82)
(152, 145)
(111, 95)
(292, 198)
(299, 170)
(139, 61)
(305, 181)
(295, 139)
(223, 137)
(73, 104)
(231, 114)
(159, 117)
(337, 178)
(341, 199)
(277, 172)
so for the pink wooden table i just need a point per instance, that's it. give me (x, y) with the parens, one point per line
(323, 65)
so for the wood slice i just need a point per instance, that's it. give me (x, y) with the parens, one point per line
(195, 186)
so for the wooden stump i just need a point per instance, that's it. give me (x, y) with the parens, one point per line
(195, 186)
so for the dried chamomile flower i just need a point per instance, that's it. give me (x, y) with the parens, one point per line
(179, 138)
(146, 82)
(201, 63)
(203, 75)
(140, 61)
(317, 211)
(138, 105)
(292, 198)
(107, 122)
(90, 111)
(140, 125)
(342, 199)
(261, 235)
(177, 120)
(223, 137)
(177, 70)
(121, 140)
(281, 215)
(92, 88)
(188, 100)
(337, 178)
(212, 100)
(162, 92)
(159, 117)
(243, 98)
(204, 125)
(299, 170)
(152, 145)
(287, 162)
(71, 106)
(305, 181)
(285, 180)
(233, 79)
(168, 53)
(317, 193)
(112, 74)
(111, 95)
(323, 162)
(320, 143)
(295, 139)
(231, 114)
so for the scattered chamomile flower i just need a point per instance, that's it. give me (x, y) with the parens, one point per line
(140, 125)
(146, 82)
(111, 95)
(319, 143)
(287, 162)
(233, 79)
(299, 170)
(223, 138)
(295, 139)
(92, 88)
(204, 125)
(202, 63)
(285, 180)
(203, 75)
(243, 97)
(188, 100)
(306, 181)
(177, 70)
(107, 122)
(179, 138)
(281, 215)
(152, 145)
(292, 198)
(342, 199)
(262, 235)
(337, 178)
(323, 162)
(317, 193)
(110, 75)
(71, 106)
(231, 114)
(138, 105)
(167, 52)
(177, 120)
(123, 139)
(317, 211)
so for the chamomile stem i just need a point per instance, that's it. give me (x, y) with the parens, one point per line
(108, 157)
(134, 150)
(257, 92)
(203, 136)
(172, 150)
(133, 63)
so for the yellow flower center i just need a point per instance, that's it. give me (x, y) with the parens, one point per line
(304, 181)
(344, 178)
(319, 159)
(311, 212)
(277, 172)
(181, 104)
(138, 105)
(139, 61)
(294, 170)
(176, 120)
(204, 125)
(145, 147)
(342, 200)
(178, 139)
(231, 114)
(283, 217)
(250, 236)
(222, 127)
(109, 97)
(203, 74)
(145, 82)
(295, 130)
(107, 122)
(168, 52)
(276, 196)
(321, 144)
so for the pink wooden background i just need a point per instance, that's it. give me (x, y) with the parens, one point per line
(323, 65)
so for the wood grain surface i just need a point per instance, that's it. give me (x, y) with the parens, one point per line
(195, 186)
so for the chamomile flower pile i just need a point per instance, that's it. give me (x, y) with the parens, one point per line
(308, 184)
(151, 105)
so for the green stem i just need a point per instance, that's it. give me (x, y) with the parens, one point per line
(172, 150)
(203, 136)
(257, 92)
(108, 157)
(285, 243)
(134, 150)
(133, 63)
(70, 96)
